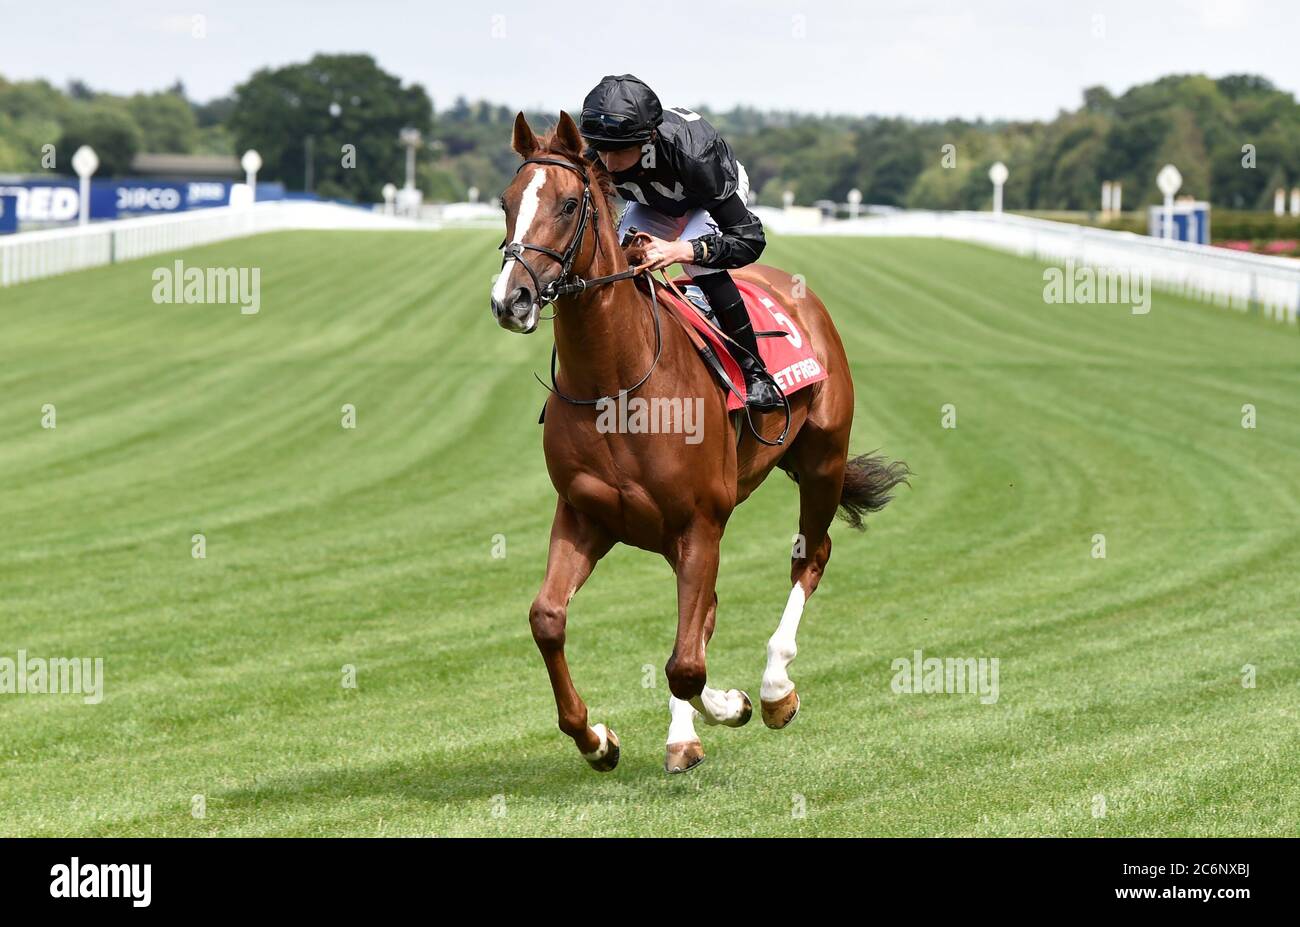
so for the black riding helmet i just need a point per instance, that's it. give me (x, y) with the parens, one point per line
(619, 112)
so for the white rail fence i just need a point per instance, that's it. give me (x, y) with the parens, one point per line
(1227, 278)
(1234, 279)
(31, 255)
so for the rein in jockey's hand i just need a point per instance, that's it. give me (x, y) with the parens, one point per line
(658, 254)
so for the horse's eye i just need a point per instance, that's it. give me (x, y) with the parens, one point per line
(570, 207)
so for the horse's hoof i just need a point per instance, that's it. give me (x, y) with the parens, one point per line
(745, 713)
(604, 762)
(683, 756)
(778, 714)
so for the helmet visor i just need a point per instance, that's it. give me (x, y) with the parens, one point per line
(611, 127)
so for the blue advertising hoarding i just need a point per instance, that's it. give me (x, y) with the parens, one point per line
(58, 200)
(8, 214)
(1190, 222)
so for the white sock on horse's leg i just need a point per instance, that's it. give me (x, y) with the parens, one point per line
(781, 649)
(682, 726)
(599, 753)
(719, 707)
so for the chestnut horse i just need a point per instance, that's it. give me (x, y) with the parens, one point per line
(658, 491)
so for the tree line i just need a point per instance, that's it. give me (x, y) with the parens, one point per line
(1235, 138)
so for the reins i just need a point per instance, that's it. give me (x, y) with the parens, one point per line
(659, 350)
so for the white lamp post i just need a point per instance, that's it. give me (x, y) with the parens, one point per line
(855, 200)
(85, 162)
(998, 173)
(472, 193)
(1169, 180)
(787, 198)
(411, 139)
(251, 162)
(389, 191)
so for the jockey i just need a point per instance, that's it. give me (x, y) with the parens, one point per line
(687, 191)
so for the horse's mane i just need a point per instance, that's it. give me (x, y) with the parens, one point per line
(588, 160)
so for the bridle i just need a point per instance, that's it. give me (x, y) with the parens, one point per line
(569, 283)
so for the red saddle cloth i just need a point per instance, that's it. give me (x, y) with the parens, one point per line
(790, 359)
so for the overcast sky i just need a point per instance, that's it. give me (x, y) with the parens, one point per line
(927, 59)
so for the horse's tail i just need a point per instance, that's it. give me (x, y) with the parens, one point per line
(868, 485)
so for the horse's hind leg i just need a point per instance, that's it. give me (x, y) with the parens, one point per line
(818, 460)
(577, 544)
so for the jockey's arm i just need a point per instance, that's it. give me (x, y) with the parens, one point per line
(738, 241)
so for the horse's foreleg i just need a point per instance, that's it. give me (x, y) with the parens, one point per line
(577, 544)
(684, 749)
(819, 497)
(695, 558)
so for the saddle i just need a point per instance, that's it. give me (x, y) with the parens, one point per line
(784, 350)
(781, 345)
(786, 353)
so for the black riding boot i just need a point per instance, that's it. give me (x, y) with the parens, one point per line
(728, 306)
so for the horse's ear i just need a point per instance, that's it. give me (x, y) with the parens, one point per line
(524, 141)
(567, 134)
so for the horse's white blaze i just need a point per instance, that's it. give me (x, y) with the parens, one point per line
(682, 726)
(523, 222)
(719, 707)
(781, 649)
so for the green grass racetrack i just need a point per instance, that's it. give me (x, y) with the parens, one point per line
(373, 548)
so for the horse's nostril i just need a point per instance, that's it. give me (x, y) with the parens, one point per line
(522, 296)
